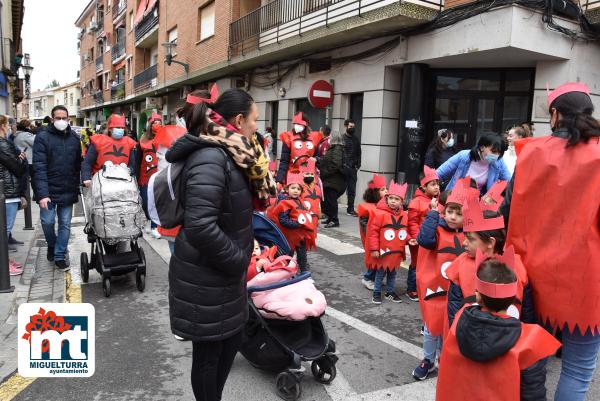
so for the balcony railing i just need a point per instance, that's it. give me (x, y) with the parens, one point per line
(119, 8)
(100, 27)
(99, 97)
(118, 49)
(99, 63)
(588, 5)
(147, 24)
(145, 79)
(283, 19)
(117, 92)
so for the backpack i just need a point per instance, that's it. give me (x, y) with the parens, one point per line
(166, 194)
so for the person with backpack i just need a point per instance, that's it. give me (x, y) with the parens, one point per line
(225, 173)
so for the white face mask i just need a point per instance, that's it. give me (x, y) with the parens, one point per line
(298, 128)
(61, 125)
(450, 142)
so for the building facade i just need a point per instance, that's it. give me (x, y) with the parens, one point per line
(11, 86)
(69, 96)
(401, 70)
(41, 104)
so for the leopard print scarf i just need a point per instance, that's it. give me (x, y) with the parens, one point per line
(248, 154)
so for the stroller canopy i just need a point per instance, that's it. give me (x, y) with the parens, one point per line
(267, 233)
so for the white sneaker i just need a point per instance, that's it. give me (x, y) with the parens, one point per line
(155, 233)
(369, 285)
(179, 338)
(148, 227)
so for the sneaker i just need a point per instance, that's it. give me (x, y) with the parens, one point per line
(377, 298)
(179, 338)
(392, 296)
(324, 217)
(352, 213)
(50, 254)
(423, 370)
(13, 241)
(12, 263)
(15, 271)
(12, 247)
(62, 265)
(148, 227)
(422, 330)
(412, 295)
(369, 285)
(155, 233)
(332, 224)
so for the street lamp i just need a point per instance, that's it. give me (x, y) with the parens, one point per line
(27, 70)
(170, 58)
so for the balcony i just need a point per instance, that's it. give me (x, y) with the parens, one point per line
(117, 92)
(119, 9)
(591, 8)
(118, 50)
(9, 65)
(146, 31)
(146, 79)
(99, 97)
(100, 27)
(99, 63)
(284, 19)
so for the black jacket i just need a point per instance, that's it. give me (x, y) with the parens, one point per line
(482, 337)
(207, 272)
(11, 169)
(332, 169)
(352, 151)
(56, 165)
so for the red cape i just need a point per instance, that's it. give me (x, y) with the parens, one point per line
(311, 197)
(365, 210)
(297, 213)
(387, 233)
(554, 227)
(110, 149)
(149, 162)
(300, 150)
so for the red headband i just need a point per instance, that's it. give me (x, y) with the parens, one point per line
(214, 94)
(495, 290)
(474, 220)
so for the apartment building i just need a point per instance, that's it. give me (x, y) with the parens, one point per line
(11, 86)
(41, 103)
(402, 70)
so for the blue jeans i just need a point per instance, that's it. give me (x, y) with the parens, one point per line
(369, 275)
(171, 246)
(432, 345)
(411, 279)
(11, 214)
(390, 282)
(48, 217)
(579, 356)
(144, 195)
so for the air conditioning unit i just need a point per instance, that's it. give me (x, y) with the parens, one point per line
(185, 90)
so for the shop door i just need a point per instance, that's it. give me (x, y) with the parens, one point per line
(316, 117)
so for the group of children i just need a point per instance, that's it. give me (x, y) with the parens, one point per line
(470, 286)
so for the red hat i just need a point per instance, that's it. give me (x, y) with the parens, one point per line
(496, 290)
(299, 119)
(116, 121)
(495, 193)
(397, 189)
(566, 88)
(473, 219)
(378, 181)
(295, 179)
(214, 95)
(461, 191)
(154, 117)
(430, 175)
(309, 166)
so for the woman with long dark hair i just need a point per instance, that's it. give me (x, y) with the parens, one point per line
(226, 173)
(441, 148)
(554, 225)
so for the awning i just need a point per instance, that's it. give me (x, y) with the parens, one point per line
(139, 15)
(149, 7)
(120, 65)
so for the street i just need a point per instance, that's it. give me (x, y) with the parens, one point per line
(137, 357)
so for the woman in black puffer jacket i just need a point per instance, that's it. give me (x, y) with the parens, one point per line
(225, 173)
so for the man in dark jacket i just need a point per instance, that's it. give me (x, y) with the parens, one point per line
(56, 165)
(352, 156)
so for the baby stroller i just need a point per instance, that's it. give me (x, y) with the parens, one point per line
(114, 217)
(281, 345)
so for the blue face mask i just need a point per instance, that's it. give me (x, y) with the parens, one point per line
(118, 133)
(450, 142)
(491, 158)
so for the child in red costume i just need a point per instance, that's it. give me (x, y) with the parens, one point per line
(485, 233)
(417, 210)
(489, 355)
(294, 219)
(387, 237)
(311, 195)
(440, 242)
(376, 190)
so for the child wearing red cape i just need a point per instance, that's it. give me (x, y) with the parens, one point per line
(311, 196)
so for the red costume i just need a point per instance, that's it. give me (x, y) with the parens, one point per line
(312, 197)
(110, 149)
(149, 163)
(300, 149)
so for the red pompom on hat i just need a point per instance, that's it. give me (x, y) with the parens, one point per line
(299, 119)
(378, 181)
(473, 219)
(295, 179)
(496, 290)
(430, 175)
(309, 166)
(397, 189)
(567, 88)
(495, 193)
(116, 121)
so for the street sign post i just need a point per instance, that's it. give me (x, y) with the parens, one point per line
(320, 94)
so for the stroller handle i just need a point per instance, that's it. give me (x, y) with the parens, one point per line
(274, 286)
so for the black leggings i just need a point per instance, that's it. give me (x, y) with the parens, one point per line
(211, 363)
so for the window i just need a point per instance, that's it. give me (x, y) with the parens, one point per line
(71, 99)
(107, 80)
(206, 18)
(172, 38)
(131, 21)
(129, 71)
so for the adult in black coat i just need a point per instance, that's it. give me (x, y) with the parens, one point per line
(207, 275)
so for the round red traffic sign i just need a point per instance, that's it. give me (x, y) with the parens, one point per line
(320, 94)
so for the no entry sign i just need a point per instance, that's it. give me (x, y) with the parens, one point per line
(320, 94)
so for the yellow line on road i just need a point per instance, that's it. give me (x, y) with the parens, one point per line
(10, 388)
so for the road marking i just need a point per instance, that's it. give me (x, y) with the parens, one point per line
(336, 246)
(377, 333)
(339, 389)
(418, 391)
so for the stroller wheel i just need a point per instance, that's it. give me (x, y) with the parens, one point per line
(84, 267)
(288, 386)
(140, 282)
(106, 287)
(324, 370)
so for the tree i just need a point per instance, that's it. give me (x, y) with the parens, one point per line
(53, 84)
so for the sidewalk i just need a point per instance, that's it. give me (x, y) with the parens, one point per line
(40, 282)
